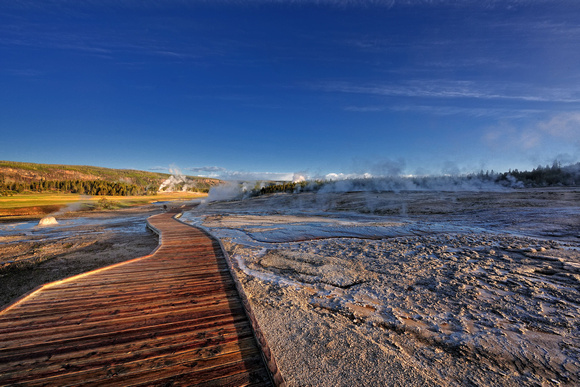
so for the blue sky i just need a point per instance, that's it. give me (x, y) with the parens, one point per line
(267, 89)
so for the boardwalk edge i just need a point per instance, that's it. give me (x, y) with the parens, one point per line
(267, 353)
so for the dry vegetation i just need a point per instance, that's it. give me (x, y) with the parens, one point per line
(34, 206)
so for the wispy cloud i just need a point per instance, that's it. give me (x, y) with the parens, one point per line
(23, 31)
(254, 176)
(217, 172)
(457, 90)
(473, 62)
(542, 28)
(470, 111)
(365, 109)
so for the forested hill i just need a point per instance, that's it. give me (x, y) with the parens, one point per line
(21, 177)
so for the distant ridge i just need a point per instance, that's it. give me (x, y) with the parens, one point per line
(14, 174)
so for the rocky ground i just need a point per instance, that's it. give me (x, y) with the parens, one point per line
(423, 288)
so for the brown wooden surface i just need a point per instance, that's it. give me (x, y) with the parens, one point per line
(170, 318)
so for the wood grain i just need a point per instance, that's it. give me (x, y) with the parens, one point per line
(170, 318)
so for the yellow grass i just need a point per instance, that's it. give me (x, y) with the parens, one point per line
(39, 204)
(30, 200)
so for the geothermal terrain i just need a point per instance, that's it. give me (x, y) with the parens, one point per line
(369, 288)
(411, 288)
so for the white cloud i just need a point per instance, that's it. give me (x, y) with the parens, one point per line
(530, 139)
(217, 172)
(206, 170)
(255, 176)
(559, 131)
(565, 125)
(226, 174)
(507, 137)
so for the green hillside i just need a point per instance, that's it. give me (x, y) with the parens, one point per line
(23, 177)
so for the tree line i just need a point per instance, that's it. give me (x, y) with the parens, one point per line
(282, 187)
(554, 175)
(548, 176)
(88, 187)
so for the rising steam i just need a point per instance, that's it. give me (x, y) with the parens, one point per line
(177, 182)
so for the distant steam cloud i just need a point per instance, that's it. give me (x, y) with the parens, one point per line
(388, 167)
(450, 168)
(177, 182)
(299, 177)
(345, 176)
(451, 181)
(228, 191)
(427, 183)
(340, 183)
(177, 179)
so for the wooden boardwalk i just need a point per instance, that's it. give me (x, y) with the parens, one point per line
(170, 318)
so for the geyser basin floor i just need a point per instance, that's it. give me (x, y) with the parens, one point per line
(31, 256)
(463, 288)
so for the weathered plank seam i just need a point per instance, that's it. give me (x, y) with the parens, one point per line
(267, 353)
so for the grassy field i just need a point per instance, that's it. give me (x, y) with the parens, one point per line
(34, 205)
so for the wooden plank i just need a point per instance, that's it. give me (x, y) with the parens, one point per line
(147, 302)
(117, 313)
(195, 286)
(77, 373)
(99, 354)
(102, 336)
(136, 320)
(171, 317)
(157, 283)
(125, 302)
